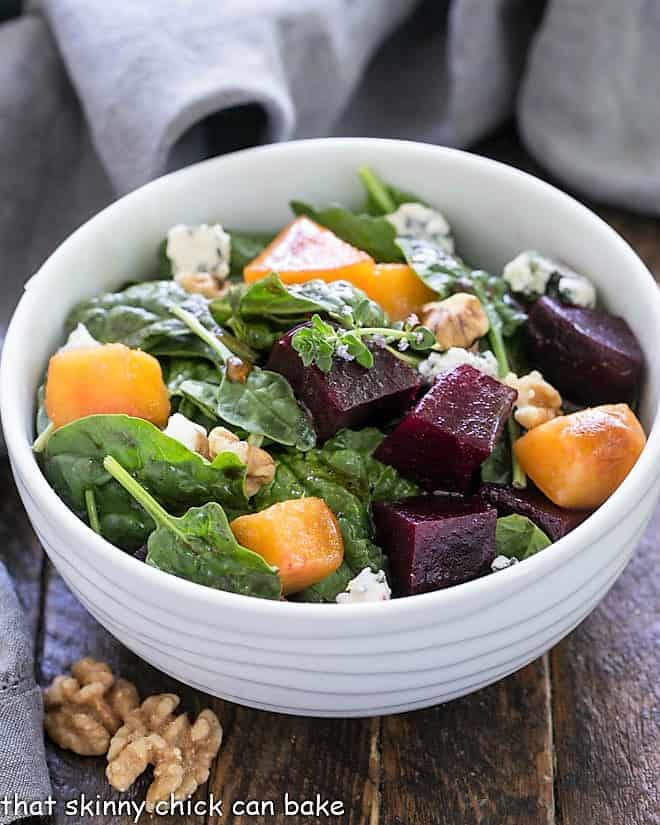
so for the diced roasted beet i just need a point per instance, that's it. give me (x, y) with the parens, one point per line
(553, 520)
(435, 541)
(349, 394)
(445, 439)
(589, 355)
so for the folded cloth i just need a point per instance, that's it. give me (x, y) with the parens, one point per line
(23, 772)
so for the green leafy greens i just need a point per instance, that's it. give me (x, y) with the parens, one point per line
(262, 403)
(348, 478)
(518, 537)
(73, 464)
(245, 246)
(199, 545)
(497, 467)
(367, 230)
(140, 316)
(258, 314)
(371, 233)
(383, 198)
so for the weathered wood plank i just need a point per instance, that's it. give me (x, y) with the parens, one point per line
(485, 759)
(70, 633)
(606, 703)
(267, 755)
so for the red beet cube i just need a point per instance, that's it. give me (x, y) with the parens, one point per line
(589, 355)
(553, 520)
(445, 439)
(435, 541)
(349, 394)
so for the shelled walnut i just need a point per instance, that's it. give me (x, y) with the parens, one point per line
(180, 753)
(260, 464)
(84, 710)
(458, 321)
(203, 283)
(537, 402)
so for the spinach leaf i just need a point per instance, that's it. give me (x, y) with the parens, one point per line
(258, 401)
(265, 405)
(347, 477)
(327, 589)
(372, 234)
(257, 333)
(178, 370)
(262, 405)
(497, 467)
(290, 304)
(178, 478)
(383, 198)
(260, 313)
(519, 537)
(199, 546)
(92, 512)
(203, 396)
(350, 453)
(245, 246)
(140, 317)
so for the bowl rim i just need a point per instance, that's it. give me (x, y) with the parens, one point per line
(623, 501)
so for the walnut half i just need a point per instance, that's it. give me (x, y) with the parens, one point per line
(181, 753)
(260, 464)
(85, 709)
(537, 401)
(458, 321)
(202, 283)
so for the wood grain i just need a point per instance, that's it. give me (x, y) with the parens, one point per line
(485, 759)
(606, 703)
(267, 755)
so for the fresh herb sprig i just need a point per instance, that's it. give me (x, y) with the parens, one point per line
(320, 342)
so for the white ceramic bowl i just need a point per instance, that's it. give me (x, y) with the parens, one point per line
(325, 660)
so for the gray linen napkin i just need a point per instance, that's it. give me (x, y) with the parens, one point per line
(23, 771)
(96, 98)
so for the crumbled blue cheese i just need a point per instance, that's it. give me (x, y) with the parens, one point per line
(188, 433)
(367, 586)
(502, 562)
(80, 338)
(199, 249)
(531, 274)
(440, 362)
(576, 290)
(414, 220)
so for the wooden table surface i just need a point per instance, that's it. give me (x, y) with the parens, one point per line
(572, 739)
